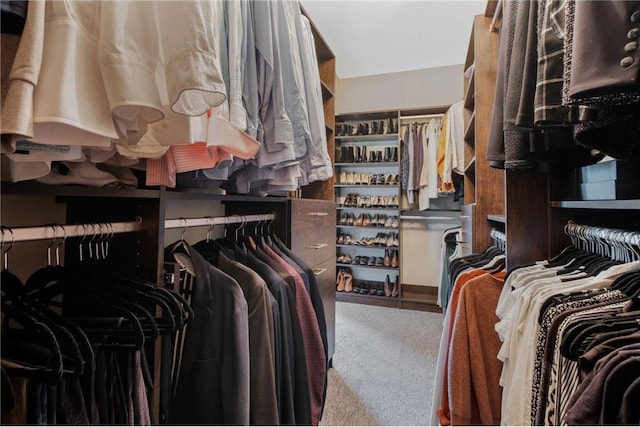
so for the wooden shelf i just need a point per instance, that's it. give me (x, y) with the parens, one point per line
(326, 92)
(596, 204)
(470, 168)
(469, 96)
(382, 301)
(367, 138)
(77, 191)
(497, 218)
(470, 131)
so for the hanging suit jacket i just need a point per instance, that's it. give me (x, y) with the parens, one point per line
(263, 409)
(213, 382)
(295, 400)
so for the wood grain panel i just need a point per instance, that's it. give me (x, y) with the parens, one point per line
(527, 217)
(489, 182)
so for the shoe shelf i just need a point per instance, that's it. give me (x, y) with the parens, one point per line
(367, 138)
(346, 208)
(375, 267)
(375, 247)
(368, 164)
(366, 186)
(367, 168)
(366, 227)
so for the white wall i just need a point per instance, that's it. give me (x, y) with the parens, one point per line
(429, 87)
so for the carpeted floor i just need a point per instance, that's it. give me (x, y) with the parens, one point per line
(383, 367)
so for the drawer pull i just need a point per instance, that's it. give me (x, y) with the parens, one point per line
(318, 213)
(319, 245)
(319, 272)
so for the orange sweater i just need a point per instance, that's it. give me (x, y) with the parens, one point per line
(474, 390)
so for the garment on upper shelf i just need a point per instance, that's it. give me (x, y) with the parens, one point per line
(108, 76)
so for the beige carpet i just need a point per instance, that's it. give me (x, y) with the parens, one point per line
(383, 367)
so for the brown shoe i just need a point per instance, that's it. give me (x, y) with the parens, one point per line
(396, 287)
(387, 287)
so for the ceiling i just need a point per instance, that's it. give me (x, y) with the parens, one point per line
(385, 36)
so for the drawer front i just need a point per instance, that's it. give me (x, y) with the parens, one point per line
(313, 230)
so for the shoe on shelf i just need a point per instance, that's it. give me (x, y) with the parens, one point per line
(372, 289)
(388, 287)
(388, 223)
(395, 291)
(364, 179)
(366, 222)
(356, 287)
(396, 239)
(379, 156)
(347, 238)
(395, 180)
(340, 281)
(352, 218)
(389, 240)
(379, 261)
(372, 261)
(358, 221)
(387, 258)
(349, 178)
(395, 221)
(342, 178)
(364, 288)
(395, 261)
(394, 154)
(380, 289)
(356, 260)
(348, 281)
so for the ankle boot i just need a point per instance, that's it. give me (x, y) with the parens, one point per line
(395, 291)
(395, 262)
(372, 156)
(388, 288)
(387, 259)
(348, 156)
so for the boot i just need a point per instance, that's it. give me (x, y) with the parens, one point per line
(396, 287)
(374, 127)
(348, 155)
(387, 157)
(395, 262)
(394, 154)
(388, 288)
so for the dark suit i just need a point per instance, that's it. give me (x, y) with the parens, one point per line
(294, 398)
(213, 382)
(263, 408)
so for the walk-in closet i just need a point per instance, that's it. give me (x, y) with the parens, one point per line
(304, 212)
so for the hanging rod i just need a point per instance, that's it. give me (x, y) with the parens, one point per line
(423, 116)
(434, 218)
(199, 222)
(61, 231)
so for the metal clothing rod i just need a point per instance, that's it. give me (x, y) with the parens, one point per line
(62, 231)
(423, 116)
(424, 218)
(199, 222)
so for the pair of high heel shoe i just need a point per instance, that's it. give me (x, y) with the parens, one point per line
(344, 280)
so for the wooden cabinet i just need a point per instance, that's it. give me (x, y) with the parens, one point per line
(484, 186)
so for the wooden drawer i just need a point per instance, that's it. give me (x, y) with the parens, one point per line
(313, 225)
